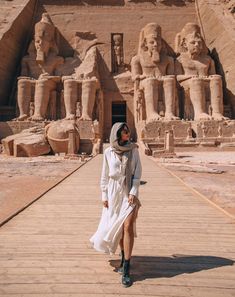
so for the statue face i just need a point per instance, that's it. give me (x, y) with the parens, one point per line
(153, 43)
(117, 39)
(42, 44)
(194, 44)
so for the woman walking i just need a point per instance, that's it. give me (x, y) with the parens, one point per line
(120, 181)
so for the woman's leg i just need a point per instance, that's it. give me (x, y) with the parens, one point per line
(128, 242)
(128, 236)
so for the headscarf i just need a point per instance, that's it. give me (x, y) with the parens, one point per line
(123, 150)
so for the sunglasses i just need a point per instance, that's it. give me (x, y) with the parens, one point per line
(125, 131)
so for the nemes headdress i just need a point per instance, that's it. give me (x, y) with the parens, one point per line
(189, 29)
(45, 29)
(152, 29)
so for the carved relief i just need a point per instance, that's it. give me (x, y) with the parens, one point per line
(117, 52)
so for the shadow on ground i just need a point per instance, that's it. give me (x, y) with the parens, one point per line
(156, 267)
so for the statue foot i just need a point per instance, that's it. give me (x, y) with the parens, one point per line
(85, 118)
(22, 117)
(37, 118)
(70, 117)
(153, 118)
(219, 117)
(202, 116)
(170, 117)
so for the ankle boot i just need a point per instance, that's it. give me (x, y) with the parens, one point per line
(126, 280)
(120, 268)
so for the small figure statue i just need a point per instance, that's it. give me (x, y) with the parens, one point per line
(151, 68)
(189, 132)
(158, 133)
(204, 130)
(117, 52)
(86, 75)
(194, 68)
(38, 69)
(220, 131)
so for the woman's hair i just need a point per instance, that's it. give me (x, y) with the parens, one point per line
(119, 132)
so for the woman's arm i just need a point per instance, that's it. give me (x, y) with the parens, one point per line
(104, 178)
(136, 174)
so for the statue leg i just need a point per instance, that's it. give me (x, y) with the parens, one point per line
(169, 86)
(70, 97)
(216, 97)
(43, 88)
(23, 98)
(89, 87)
(151, 86)
(197, 96)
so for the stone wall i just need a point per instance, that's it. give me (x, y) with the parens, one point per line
(15, 25)
(105, 18)
(218, 26)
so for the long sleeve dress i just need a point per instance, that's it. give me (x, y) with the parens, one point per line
(114, 190)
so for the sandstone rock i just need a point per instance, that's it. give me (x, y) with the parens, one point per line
(29, 143)
(57, 134)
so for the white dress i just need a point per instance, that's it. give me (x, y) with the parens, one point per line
(114, 190)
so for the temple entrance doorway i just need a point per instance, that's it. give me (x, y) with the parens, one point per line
(118, 112)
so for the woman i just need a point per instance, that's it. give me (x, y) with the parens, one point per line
(120, 181)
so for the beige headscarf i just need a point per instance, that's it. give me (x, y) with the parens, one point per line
(123, 151)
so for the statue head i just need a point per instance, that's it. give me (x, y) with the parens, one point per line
(117, 39)
(44, 37)
(151, 41)
(191, 41)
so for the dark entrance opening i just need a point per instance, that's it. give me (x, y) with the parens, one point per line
(118, 112)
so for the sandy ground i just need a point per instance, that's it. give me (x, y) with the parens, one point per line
(24, 179)
(210, 173)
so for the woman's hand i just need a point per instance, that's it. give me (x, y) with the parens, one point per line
(106, 204)
(132, 199)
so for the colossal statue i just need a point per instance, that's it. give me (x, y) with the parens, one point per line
(153, 69)
(196, 69)
(38, 71)
(84, 77)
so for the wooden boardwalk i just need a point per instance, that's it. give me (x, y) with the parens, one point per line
(185, 247)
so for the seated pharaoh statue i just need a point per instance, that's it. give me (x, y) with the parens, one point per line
(81, 77)
(153, 71)
(38, 71)
(196, 74)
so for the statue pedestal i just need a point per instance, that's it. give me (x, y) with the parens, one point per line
(188, 135)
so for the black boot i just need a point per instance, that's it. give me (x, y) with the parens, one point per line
(126, 280)
(120, 268)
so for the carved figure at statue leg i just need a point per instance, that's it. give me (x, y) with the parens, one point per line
(197, 96)
(169, 86)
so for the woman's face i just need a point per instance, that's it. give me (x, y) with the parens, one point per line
(125, 134)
